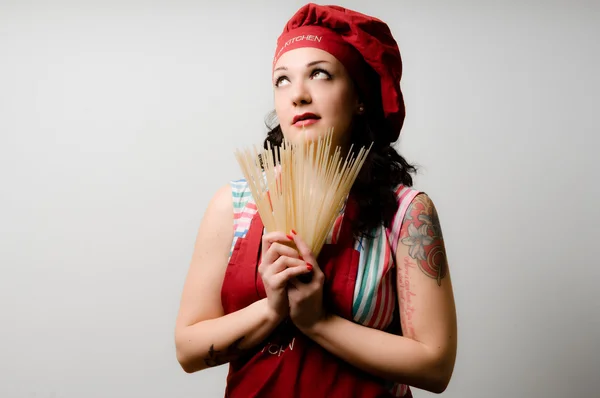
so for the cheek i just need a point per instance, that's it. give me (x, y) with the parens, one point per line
(341, 108)
(282, 112)
(279, 108)
(339, 100)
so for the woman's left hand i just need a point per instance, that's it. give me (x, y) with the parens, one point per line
(306, 299)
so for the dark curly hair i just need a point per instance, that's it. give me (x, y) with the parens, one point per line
(384, 169)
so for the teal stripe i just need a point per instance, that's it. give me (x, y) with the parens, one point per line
(372, 288)
(241, 194)
(377, 282)
(359, 275)
(363, 281)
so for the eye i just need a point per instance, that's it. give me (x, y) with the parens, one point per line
(280, 80)
(320, 74)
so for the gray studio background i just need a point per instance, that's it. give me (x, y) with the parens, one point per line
(118, 121)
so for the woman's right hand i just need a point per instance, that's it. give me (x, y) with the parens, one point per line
(279, 264)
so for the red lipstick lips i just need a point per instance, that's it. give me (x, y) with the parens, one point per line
(305, 119)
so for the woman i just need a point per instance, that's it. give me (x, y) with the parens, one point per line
(377, 314)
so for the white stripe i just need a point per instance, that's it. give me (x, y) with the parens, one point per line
(381, 285)
(359, 272)
(370, 287)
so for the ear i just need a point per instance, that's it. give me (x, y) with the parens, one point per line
(360, 109)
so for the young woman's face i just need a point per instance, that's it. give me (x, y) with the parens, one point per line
(313, 93)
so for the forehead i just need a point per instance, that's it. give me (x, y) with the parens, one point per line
(300, 57)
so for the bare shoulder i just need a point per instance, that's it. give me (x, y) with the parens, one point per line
(221, 202)
(201, 297)
(216, 228)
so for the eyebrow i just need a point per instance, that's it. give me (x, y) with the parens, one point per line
(308, 65)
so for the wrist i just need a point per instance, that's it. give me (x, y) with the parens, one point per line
(269, 315)
(316, 329)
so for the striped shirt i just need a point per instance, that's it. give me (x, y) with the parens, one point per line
(375, 297)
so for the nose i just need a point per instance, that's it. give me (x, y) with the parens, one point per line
(301, 94)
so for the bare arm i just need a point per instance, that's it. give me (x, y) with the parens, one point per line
(424, 356)
(204, 336)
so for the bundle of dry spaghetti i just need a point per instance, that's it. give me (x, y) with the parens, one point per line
(301, 186)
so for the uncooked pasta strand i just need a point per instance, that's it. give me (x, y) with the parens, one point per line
(301, 186)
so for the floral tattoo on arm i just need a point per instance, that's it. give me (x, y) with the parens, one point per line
(425, 238)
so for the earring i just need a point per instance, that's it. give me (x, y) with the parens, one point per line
(361, 109)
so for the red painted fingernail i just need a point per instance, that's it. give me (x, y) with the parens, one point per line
(310, 267)
(294, 232)
(290, 237)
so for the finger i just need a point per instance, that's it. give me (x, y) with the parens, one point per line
(305, 251)
(273, 237)
(314, 278)
(278, 250)
(280, 265)
(282, 278)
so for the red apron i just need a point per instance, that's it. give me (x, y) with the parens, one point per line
(288, 364)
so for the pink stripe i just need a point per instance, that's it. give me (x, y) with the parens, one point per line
(389, 283)
(395, 230)
(403, 192)
(248, 213)
(245, 217)
(399, 189)
(243, 225)
(243, 221)
(383, 293)
(389, 304)
(389, 296)
(394, 299)
(399, 390)
(406, 201)
(379, 305)
(336, 229)
(403, 389)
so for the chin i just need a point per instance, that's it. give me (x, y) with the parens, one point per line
(311, 132)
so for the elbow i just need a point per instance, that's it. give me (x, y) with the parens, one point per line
(436, 383)
(189, 360)
(443, 375)
(440, 374)
(188, 363)
(439, 386)
(185, 363)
